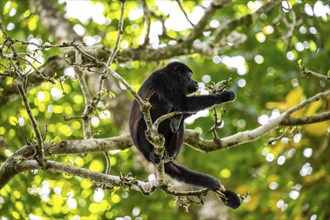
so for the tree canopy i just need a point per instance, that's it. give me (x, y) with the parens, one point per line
(69, 71)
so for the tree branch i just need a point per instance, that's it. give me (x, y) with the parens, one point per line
(54, 21)
(184, 12)
(110, 181)
(306, 72)
(8, 168)
(306, 119)
(197, 31)
(193, 139)
(87, 96)
(40, 146)
(230, 25)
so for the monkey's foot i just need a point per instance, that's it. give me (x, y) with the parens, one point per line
(229, 198)
(169, 159)
(156, 160)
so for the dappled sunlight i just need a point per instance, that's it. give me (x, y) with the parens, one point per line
(69, 71)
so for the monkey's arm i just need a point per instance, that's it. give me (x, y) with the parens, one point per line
(197, 103)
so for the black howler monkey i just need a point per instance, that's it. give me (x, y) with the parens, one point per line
(167, 91)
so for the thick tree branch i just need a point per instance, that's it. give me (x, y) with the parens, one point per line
(110, 181)
(193, 139)
(54, 21)
(230, 25)
(7, 170)
(197, 31)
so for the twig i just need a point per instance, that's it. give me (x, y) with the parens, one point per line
(217, 123)
(272, 140)
(107, 158)
(287, 37)
(42, 46)
(201, 192)
(324, 146)
(40, 156)
(214, 89)
(163, 118)
(147, 13)
(184, 12)
(88, 102)
(145, 105)
(197, 31)
(307, 72)
(315, 74)
(36, 70)
(71, 117)
(120, 32)
(308, 101)
(22, 132)
(113, 54)
(5, 74)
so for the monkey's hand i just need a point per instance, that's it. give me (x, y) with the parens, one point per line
(227, 96)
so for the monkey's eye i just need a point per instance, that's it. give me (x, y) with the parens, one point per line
(189, 74)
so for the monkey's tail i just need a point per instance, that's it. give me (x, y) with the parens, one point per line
(185, 175)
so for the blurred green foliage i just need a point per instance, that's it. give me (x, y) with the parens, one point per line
(287, 180)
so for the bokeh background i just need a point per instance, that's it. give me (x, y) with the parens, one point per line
(286, 180)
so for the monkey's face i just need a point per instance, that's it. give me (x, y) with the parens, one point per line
(182, 74)
(190, 85)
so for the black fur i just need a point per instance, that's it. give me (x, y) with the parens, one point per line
(167, 91)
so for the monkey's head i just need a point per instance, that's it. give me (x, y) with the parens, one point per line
(182, 74)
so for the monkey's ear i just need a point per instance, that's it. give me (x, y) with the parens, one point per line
(175, 123)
